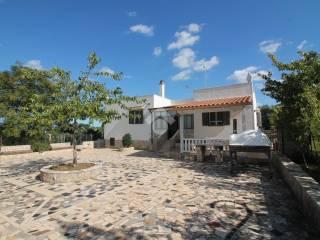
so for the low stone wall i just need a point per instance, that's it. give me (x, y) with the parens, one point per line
(15, 149)
(139, 144)
(304, 187)
(8, 150)
(60, 145)
(88, 144)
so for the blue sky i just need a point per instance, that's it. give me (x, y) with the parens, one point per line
(189, 44)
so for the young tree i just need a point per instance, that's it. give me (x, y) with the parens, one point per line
(83, 99)
(298, 95)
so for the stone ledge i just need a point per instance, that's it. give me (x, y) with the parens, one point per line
(53, 176)
(304, 187)
(56, 146)
(15, 149)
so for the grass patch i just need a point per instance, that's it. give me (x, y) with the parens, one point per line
(72, 167)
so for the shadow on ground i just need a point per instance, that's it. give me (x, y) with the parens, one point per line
(275, 210)
(30, 166)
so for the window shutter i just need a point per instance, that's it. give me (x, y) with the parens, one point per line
(192, 121)
(220, 118)
(205, 119)
(226, 119)
(212, 119)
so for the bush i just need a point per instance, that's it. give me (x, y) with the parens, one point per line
(40, 146)
(127, 140)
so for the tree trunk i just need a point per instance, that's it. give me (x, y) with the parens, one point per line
(0, 142)
(74, 144)
(305, 161)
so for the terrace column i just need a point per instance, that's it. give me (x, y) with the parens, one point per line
(181, 132)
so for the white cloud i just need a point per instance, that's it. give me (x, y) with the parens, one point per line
(184, 58)
(107, 69)
(132, 14)
(302, 45)
(269, 46)
(157, 51)
(35, 64)
(241, 74)
(183, 75)
(194, 27)
(143, 29)
(184, 39)
(205, 65)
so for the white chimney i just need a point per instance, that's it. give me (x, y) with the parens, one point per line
(162, 89)
(249, 78)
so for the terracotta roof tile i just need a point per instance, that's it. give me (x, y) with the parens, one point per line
(219, 102)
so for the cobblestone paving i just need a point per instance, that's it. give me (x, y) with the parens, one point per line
(141, 196)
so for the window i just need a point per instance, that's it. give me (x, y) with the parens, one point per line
(136, 116)
(188, 121)
(216, 118)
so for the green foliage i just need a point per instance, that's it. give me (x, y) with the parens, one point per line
(83, 99)
(40, 146)
(298, 95)
(266, 112)
(127, 140)
(18, 87)
(35, 103)
(275, 116)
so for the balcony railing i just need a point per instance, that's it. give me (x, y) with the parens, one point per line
(188, 145)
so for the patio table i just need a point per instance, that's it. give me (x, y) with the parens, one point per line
(203, 148)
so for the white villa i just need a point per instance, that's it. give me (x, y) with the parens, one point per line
(213, 114)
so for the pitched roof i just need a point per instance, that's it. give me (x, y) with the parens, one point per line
(219, 102)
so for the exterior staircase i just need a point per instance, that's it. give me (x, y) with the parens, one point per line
(171, 148)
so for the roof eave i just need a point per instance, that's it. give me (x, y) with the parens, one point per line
(216, 106)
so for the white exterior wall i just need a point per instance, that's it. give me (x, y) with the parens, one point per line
(118, 128)
(241, 113)
(254, 108)
(245, 115)
(236, 90)
(161, 102)
(249, 117)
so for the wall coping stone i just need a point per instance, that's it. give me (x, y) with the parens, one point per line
(304, 187)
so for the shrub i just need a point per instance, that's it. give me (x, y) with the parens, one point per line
(40, 146)
(127, 140)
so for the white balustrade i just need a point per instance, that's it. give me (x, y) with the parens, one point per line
(189, 144)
